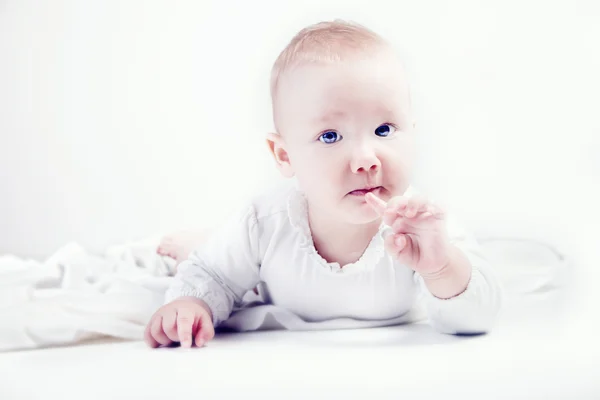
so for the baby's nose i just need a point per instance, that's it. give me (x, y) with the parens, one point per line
(365, 161)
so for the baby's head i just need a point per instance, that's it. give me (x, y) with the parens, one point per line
(343, 119)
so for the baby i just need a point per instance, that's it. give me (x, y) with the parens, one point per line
(351, 238)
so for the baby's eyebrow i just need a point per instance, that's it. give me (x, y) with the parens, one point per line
(397, 115)
(392, 114)
(331, 116)
(395, 112)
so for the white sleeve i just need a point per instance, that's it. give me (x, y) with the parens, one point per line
(223, 269)
(475, 310)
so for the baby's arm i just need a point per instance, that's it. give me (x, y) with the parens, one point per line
(209, 283)
(462, 294)
(475, 309)
(222, 270)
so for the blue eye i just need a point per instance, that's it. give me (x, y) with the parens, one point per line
(330, 137)
(385, 130)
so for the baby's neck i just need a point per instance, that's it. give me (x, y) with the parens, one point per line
(342, 243)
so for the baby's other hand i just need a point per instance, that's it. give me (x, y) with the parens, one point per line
(181, 320)
(419, 238)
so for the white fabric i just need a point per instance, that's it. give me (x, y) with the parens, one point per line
(270, 243)
(527, 266)
(75, 295)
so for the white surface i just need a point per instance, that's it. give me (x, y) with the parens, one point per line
(516, 361)
(132, 118)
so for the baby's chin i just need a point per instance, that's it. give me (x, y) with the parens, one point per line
(360, 214)
(363, 219)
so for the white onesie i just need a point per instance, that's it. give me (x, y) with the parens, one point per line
(270, 245)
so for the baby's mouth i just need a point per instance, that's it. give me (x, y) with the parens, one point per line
(364, 191)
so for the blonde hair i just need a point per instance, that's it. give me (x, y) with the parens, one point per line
(325, 42)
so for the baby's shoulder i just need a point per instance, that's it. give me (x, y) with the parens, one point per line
(272, 203)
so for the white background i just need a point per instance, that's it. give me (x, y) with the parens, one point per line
(125, 119)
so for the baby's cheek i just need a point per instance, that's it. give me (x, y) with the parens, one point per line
(398, 171)
(321, 169)
(407, 152)
(403, 166)
(312, 175)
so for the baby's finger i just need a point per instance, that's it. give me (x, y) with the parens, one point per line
(206, 330)
(169, 326)
(395, 209)
(157, 331)
(390, 244)
(436, 211)
(396, 204)
(376, 203)
(395, 243)
(409, 252)
(430, 214)
(424, 216)
(185, 325)
(400, 242)
(148, 338)
(400, 225)
(415, 205)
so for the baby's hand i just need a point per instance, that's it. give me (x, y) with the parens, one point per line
(419, 237)
(180, 321)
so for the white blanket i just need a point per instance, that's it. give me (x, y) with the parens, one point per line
(75, 295)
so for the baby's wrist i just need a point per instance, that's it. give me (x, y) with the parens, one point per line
(201, 303)
(452, 278)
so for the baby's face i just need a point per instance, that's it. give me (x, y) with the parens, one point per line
(347, 129)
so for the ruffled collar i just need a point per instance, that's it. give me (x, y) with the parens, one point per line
(298, 217)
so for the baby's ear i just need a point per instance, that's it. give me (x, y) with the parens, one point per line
(277, 148)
